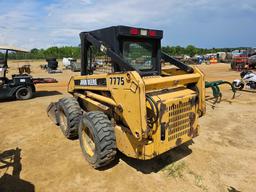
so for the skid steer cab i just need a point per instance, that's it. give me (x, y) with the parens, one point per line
(140, 101)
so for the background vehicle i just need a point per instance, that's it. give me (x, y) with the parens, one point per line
(243, 58)
(248, 78)
(72, 64)
(137, 107)
(252, 61)
(20, 86)
(239, 59)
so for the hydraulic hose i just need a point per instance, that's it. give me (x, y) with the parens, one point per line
(154, 107)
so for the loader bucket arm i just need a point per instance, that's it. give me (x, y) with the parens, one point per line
(89, 38)
(123, 65)
(177, 63)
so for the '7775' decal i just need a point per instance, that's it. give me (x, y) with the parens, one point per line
(117, 80)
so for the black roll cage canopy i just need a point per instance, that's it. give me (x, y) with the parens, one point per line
(4, 64)
(108, 41)
(10, 48)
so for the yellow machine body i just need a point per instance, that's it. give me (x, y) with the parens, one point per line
(123, 97)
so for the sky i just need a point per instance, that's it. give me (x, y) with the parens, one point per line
(203, 23)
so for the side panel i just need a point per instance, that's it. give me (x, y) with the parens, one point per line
(132, 147)
(201, 88)
(180, 101)
(127, 91)
(131, 99)
(159, 82)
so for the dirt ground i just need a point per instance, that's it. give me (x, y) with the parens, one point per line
(222, 158)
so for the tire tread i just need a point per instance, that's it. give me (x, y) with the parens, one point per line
(106, 141)
(73, 113)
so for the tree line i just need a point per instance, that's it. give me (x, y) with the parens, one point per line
(191, 50)
(74, 52)
(52, 52)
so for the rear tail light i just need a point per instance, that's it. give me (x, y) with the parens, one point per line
(134, 31)
(143, 32)
(152, 33)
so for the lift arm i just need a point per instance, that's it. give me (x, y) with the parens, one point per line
(124, 66)
(177, 63)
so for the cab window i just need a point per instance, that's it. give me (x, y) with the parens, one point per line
(139, 54)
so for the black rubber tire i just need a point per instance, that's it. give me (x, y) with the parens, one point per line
(53, 65)
(69, 115)
(102, 132)
(24, 93)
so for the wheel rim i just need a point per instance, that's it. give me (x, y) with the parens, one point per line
(88, 141)
(63, 121)
(23, 92)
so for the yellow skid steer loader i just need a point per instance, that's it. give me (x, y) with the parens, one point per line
(138, 105)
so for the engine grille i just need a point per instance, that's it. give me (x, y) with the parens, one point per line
(179, 119)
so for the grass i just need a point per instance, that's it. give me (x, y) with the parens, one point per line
(175, 169)
(198, 181)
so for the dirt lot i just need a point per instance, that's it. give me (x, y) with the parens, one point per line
(222, 158)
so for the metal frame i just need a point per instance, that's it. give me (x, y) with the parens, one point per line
(150, 115)
(108, 41)
(7, 49)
